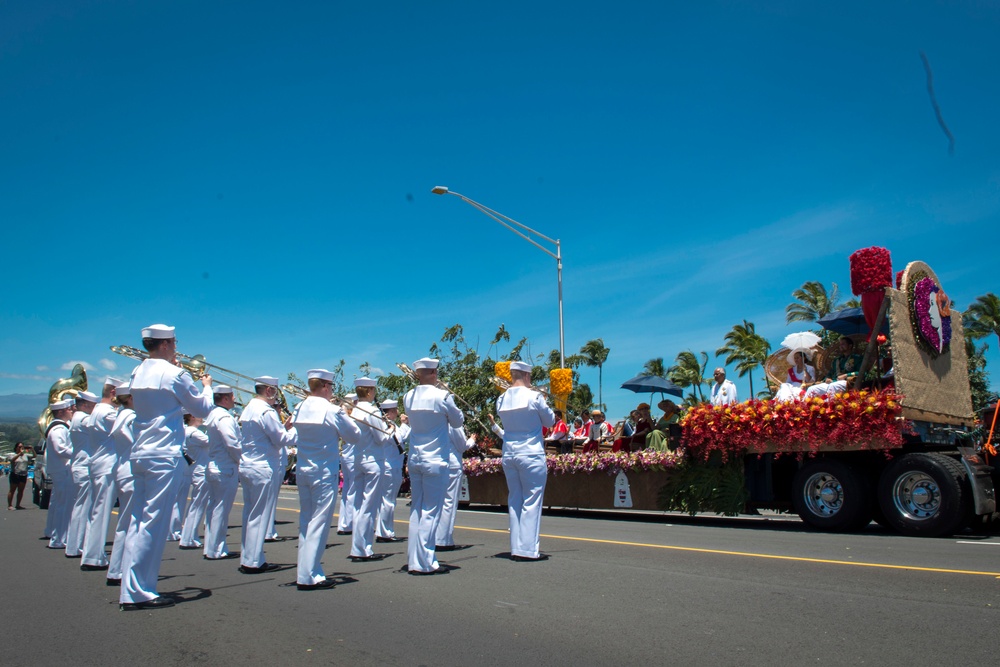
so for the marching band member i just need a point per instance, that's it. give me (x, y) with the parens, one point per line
(79, 433)
(370, 470)
(445, 538)
(263, 436)
(124, 439)
(524, 413)
(319, 425)
(222, 473)
(345, 520)
(431, 411)
(102, 478)
(160, 390)
(58, 465)
(197, 450)
(386, 529)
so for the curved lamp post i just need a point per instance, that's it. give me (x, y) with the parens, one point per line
(511, 224)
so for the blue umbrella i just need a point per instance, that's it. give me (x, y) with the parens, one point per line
(849, 322)
(652, 384)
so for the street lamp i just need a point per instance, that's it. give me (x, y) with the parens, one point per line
(557, 255)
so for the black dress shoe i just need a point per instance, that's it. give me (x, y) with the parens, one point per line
(76, 556)
(345, 532)
(93, 568)
(112, 582)
(156, 603)
(389, 540)
(366, 559)
(229, 556)
(525, 559)
(419, 573)
(271, 540)
(266, 567)
(184, 547)
(326, 583)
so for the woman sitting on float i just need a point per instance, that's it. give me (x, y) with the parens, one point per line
(800, 376)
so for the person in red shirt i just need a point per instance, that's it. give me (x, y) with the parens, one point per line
(560, 434)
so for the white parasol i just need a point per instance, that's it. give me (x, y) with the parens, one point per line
(802, 340)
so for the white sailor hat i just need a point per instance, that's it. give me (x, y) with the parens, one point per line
(159, 331)
(114, 382)
(87, 396)
(426, 362)
(520, 366)
(320, 374)
(351, 397)
(364, 382)
(61, 405)
(123, 390)
(266, 379)
(222, 389)
(389, 405)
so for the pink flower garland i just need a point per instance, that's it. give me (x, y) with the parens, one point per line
(568, 464)
(921, 307)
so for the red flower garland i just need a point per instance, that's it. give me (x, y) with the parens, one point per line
(871, 269)
(865, 418)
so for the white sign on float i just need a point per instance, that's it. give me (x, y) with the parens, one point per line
(623, 495)
(463, 491)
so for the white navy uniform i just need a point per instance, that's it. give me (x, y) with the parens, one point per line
(394, 468)
(345, 520)
(222, 477)
(79, 435)
(263, 436)
(58, 465)
(197, 449)
(319, 424)
(179, 510)
(446, 528)
(159, 392)
(124, 439)
(102, 483)
(723, 393)
(524, 413)
(371, 473)
(431, 412)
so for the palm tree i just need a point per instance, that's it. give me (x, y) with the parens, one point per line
(745, 347)
(813, 302)
(983, 316)
(689, 372)
(595, 354)
(654, 367)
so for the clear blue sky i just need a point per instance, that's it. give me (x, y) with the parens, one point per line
(259, 174)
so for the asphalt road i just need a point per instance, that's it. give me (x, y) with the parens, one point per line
(660, 590)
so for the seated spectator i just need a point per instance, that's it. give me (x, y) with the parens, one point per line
(643, 427)
(599, 432)
(560, 435)
(800, 376)
(579, 435)
(843, 369)
(659, 438)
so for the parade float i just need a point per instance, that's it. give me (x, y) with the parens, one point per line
(896, 447)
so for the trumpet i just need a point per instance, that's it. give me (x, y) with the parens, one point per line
(347, 406)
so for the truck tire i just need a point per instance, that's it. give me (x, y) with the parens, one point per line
(924, 495)
(831, 495)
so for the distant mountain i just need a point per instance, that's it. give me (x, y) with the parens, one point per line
(22, 406)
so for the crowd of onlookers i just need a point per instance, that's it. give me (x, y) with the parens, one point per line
(591, 432)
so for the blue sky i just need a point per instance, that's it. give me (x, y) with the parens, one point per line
(258, 174)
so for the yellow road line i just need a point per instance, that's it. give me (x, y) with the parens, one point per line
(722, 552)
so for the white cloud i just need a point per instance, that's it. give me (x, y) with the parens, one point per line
(68, 366)
(18, 376)
(41, 368)
(108, 364)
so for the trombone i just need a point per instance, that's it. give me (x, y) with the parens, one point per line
(347, 406)
(442, 385)
(503, 384)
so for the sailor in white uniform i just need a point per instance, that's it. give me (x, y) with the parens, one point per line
(58, 465)
(124, 439)
(723, 391)
(222, 474)
(431, 411)
(524, 413)
(319, 425)
(102, 478)
(371, 473)
(386, 529)
(179, 510)
(345, 520)
(445, 540)
(160, 390)
(79, 434)
(263, 436)
(197, 450)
